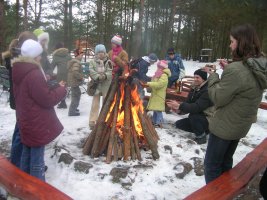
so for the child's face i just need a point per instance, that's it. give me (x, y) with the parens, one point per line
(101, 55)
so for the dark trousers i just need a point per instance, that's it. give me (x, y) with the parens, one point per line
(172, 80)
(75, 99)
(219, 157)
(195, 123)
(16, 147)
(263, 185)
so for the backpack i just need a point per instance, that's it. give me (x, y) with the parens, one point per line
(134, 63)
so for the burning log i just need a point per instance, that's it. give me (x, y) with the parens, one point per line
(123, 126)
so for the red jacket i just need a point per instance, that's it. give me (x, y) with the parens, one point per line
(35, 103)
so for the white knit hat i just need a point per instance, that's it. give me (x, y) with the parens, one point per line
(31, 48)
(116, 40)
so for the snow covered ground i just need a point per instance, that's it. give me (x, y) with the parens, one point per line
(157, 180)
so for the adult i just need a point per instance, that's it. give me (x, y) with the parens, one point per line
(198, 105)
(61, 57)
(118, 55)
(176, 66)
(236, 96)
(141, 66)
(35, 103)
(100, 70)
(13, 52)
(43, 39)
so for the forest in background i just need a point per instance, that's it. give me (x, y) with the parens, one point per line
(145, 25)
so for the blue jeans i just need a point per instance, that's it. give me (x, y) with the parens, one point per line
(32, 161)
(157, 117)
(16, 147)
(219, 157)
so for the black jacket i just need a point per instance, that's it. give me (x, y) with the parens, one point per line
(197, 101)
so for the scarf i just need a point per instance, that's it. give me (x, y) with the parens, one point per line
(116, 51)
(158, 73)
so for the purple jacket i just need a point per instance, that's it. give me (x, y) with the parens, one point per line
(35, 103)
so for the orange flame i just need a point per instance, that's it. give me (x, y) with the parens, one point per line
(136, 105)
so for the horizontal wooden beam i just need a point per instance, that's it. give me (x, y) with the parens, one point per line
(25, 186)
(234, 181)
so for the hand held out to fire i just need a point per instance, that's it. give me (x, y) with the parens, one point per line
(173, 105)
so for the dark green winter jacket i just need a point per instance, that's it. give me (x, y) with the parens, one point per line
(61, 57)
(236, 97)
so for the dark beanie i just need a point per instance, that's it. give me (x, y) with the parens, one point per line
(202, 74)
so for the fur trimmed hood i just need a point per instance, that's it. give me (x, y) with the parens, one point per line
(23, 66)
(6, 54)
(74, 65)
(61, 52)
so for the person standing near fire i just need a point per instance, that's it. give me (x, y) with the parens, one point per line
(158, 86)
(118, 55)
(75, 79)
(176, 66)
(236, 97)
(61, 57)
(100, 70)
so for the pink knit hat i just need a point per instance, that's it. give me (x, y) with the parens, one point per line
(116, 40)
(162, 64)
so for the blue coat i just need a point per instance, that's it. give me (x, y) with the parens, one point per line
(175, 65)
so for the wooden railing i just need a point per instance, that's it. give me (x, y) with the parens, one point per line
(23, 186)
(234, 181)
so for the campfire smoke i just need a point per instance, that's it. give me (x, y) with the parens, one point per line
(123, 127)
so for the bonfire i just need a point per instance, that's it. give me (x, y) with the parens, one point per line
(123, 127)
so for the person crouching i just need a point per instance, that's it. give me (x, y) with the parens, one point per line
(35, 103)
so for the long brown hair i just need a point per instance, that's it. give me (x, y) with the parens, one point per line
(248, 43)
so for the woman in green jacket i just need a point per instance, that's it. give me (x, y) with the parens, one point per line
(236, 96)
(158, 85)
(61, 57)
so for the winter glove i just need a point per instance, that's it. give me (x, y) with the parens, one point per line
(144, 85)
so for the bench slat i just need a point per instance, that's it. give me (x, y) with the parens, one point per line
(24, 186)
(233, 182)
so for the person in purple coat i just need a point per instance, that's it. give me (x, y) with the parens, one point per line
(35, 103)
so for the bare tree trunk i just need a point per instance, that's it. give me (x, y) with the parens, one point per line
(17, 16)
(131, 28)
(25, 19)
(168, 40)
(65, 25)
(99, 17)
(70, 44)
(2, 19)
(138, 35)
(179, 31)
(37, 14)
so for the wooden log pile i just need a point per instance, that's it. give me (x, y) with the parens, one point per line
(123, 127)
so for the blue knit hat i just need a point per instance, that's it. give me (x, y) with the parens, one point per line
(100, 48)
(152, 57)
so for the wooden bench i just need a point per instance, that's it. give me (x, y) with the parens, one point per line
(24, 186)
(233, 182)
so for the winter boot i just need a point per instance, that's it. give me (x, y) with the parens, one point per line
(201, 139)
(74, 114)
(62, 105)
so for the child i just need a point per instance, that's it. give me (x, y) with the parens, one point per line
(75, 79)
(100, 70)
(158, 85)
(35, 103)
